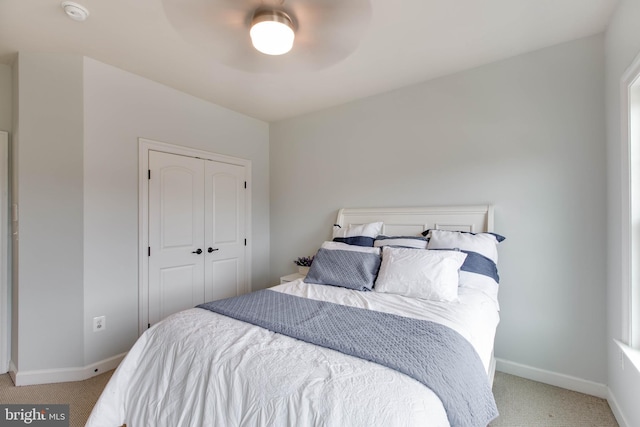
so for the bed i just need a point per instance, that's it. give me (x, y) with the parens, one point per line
(319, 352)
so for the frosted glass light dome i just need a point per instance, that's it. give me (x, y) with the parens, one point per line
(272, 32)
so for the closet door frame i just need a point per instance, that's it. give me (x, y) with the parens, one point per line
(144, 146)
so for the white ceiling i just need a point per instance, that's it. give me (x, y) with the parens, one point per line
(387, 44)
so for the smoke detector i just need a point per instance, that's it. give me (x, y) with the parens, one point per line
(75, 11)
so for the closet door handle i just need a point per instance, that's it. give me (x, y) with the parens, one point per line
(212, 250)
(197, 251)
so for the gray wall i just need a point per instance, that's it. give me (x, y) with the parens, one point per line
(525, 134)
(48, 179)
(121, 107)
(77, 184)
(622, 47)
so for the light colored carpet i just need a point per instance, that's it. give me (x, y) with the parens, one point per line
(79, 395)
(522, 403)
(525, 403)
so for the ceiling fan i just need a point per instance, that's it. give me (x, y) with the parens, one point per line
(326, 31)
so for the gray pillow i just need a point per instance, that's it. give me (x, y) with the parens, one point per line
(344, 268)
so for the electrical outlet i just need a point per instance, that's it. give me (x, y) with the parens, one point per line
(99, 323)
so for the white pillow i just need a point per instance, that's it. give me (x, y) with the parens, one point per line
(371, 229)
(420, 273)
(415, 242)
(480, 270)
(361, 234)
(338, 246)
(485, 244)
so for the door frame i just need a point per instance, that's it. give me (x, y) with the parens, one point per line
(5, 293)
(144, 146)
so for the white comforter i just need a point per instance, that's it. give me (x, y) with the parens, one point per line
(198, 368)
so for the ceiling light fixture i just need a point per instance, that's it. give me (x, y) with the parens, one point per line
(75, 11)
(272, 32)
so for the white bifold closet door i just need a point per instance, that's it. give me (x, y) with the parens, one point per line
(196, 232)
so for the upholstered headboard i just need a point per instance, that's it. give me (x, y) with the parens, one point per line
(414, 220)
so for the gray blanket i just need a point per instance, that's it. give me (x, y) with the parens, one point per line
(431, 353)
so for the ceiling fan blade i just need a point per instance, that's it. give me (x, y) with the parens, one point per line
(327, 31)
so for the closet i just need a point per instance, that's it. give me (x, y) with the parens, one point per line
(197, 232)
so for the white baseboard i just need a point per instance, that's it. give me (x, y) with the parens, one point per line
(615, 408)
(553, 378)
(48, 376)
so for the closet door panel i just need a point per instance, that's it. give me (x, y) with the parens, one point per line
(224, 230)
(176, 223)
(176, 289)
(227, 273)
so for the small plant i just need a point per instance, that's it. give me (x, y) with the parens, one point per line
(304, 261)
